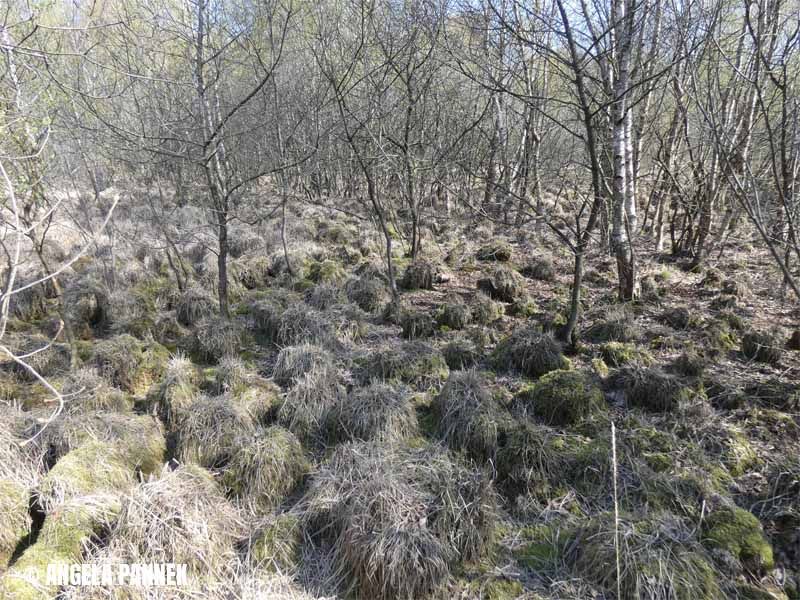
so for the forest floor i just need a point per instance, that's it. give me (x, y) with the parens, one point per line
(323, 443)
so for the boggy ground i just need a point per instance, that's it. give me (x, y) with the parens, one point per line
(325, 444)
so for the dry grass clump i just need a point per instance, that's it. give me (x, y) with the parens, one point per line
(46, 358)
(678, 317)
(649, 388)
(176, 392)
(254, 272)
(195, 304)
(84, 390)
(762, 346)
(499, 251)
(209, 431)
(181, 517)
(130, 364)
(324, 295)
(231, 376)
(690, 363)
(141, 437)
(468, 416)
(419, 275)
(563, 398)
(454, 313)
(214, 338)
(530, 352)
(461, 353)
(540, 268)
(265, 468)
(300, 323)
(304, 408)
(485, 310)
(294, 362)
(267, 309)
(659, 560)
(505, 285)
(617, 324)
(377, 412)
(86, 301)
(399, 519)
(416, 323)
(776, 394)
(370, 294)
(415, 363)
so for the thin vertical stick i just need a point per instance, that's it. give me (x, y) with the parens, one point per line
(616, 507)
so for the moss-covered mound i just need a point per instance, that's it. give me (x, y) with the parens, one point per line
(399, 520)
(130, 364)
(92, 468)
(379, 411)
(265, 468)
(739, 533)
(16, 522)
(275, 546)
(530, 352)
(61, 541)
(616, 354)
(563, 398)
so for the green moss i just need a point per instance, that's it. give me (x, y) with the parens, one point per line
(276, 547)
(61, 541)
(739, 532)
(564, 398)
(499, 251)
(523, 307)
(496, 589)
(16, 522)
(739, 455)
(600, 368)
(327, 271)
(658, 461)
(92, 468)
(542, 548)
(616, 354)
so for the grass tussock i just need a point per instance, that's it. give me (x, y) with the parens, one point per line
(399, 520)
(649, 388)
(294, 362)
(530, 352)
(209, 432)
(265, 468)
(468, 416)
(379, 411)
